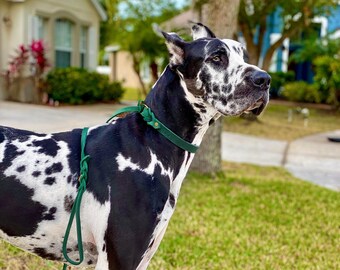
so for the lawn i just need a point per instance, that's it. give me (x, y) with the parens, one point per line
(273, 123)
(250, 218)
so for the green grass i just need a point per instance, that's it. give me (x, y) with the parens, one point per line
(273, 123)
(251, 218)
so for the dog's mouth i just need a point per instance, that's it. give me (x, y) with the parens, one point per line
(257, 107)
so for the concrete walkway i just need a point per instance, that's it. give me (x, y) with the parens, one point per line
(312, 158)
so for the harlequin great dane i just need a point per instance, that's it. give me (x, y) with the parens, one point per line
(135, 174)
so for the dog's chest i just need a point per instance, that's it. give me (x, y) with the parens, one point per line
(168, 210)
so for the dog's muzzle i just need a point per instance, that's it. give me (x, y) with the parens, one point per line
(257, 107)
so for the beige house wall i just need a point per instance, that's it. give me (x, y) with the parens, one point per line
(12, 32)
(123, 70)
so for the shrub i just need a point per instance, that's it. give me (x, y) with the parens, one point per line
(278, 80)
(78, 86)
(301, 92)
(327, 78)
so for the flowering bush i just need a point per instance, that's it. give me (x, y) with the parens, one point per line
(36, 53)
(29, 61)
(18, 62)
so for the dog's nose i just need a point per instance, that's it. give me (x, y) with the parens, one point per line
(261, 79)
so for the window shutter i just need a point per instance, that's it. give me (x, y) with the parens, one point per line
(30, 28)
(33, 28)
(92, 42)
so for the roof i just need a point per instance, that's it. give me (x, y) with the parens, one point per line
(95, 3)
(99, 9)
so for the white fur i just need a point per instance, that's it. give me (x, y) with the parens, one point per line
(52, 231)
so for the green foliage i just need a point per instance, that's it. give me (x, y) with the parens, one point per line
(327, 78)
(131, 29)
(253, 22)
(324, 54)
(314, 47)
(278, 80)
(301, 92)
(79, 86)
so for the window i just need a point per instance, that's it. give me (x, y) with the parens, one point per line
(39, 27)
(83, 46)
(63, 43)
(41, 22)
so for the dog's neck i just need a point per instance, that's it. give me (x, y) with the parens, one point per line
(177, 108)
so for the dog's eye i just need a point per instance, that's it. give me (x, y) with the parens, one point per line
(216, 59)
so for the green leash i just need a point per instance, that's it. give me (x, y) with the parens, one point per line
(151, 120)
(76, 206)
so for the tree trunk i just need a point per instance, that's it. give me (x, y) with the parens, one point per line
(136, 68)
(154, 70)
(273, 47)
(221, 17)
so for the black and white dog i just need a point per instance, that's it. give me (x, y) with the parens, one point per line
(135, 174)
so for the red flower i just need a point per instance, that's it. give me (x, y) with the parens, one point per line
(37, 46)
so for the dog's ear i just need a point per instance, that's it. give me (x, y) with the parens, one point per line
(199, 30)
(175, 47)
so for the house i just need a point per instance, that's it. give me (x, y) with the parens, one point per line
(322, 25)
(121, 68)
(70, 30)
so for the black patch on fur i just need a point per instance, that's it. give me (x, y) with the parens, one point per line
(216, 88)
(69, 179)
(200, 106)
(172, 200)
(68, 203)
(44, 254)
(15, 196)
(212, 121)
(50, 214)
(50, 181)
(54, 168)
(36, 174)
(2, 138)
(48, 147)
(151, 244)
(224, 100)
(21, 168)
(245, 55)
(104, 248)
(18, 199)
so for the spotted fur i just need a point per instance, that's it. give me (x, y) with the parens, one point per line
(135, 174)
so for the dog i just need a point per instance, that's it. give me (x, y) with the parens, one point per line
(135, 174)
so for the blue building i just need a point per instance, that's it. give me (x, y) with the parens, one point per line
(323, 25)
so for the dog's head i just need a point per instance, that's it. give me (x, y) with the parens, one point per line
(217, 71)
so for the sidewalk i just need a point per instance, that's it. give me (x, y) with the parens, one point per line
(312, 158)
